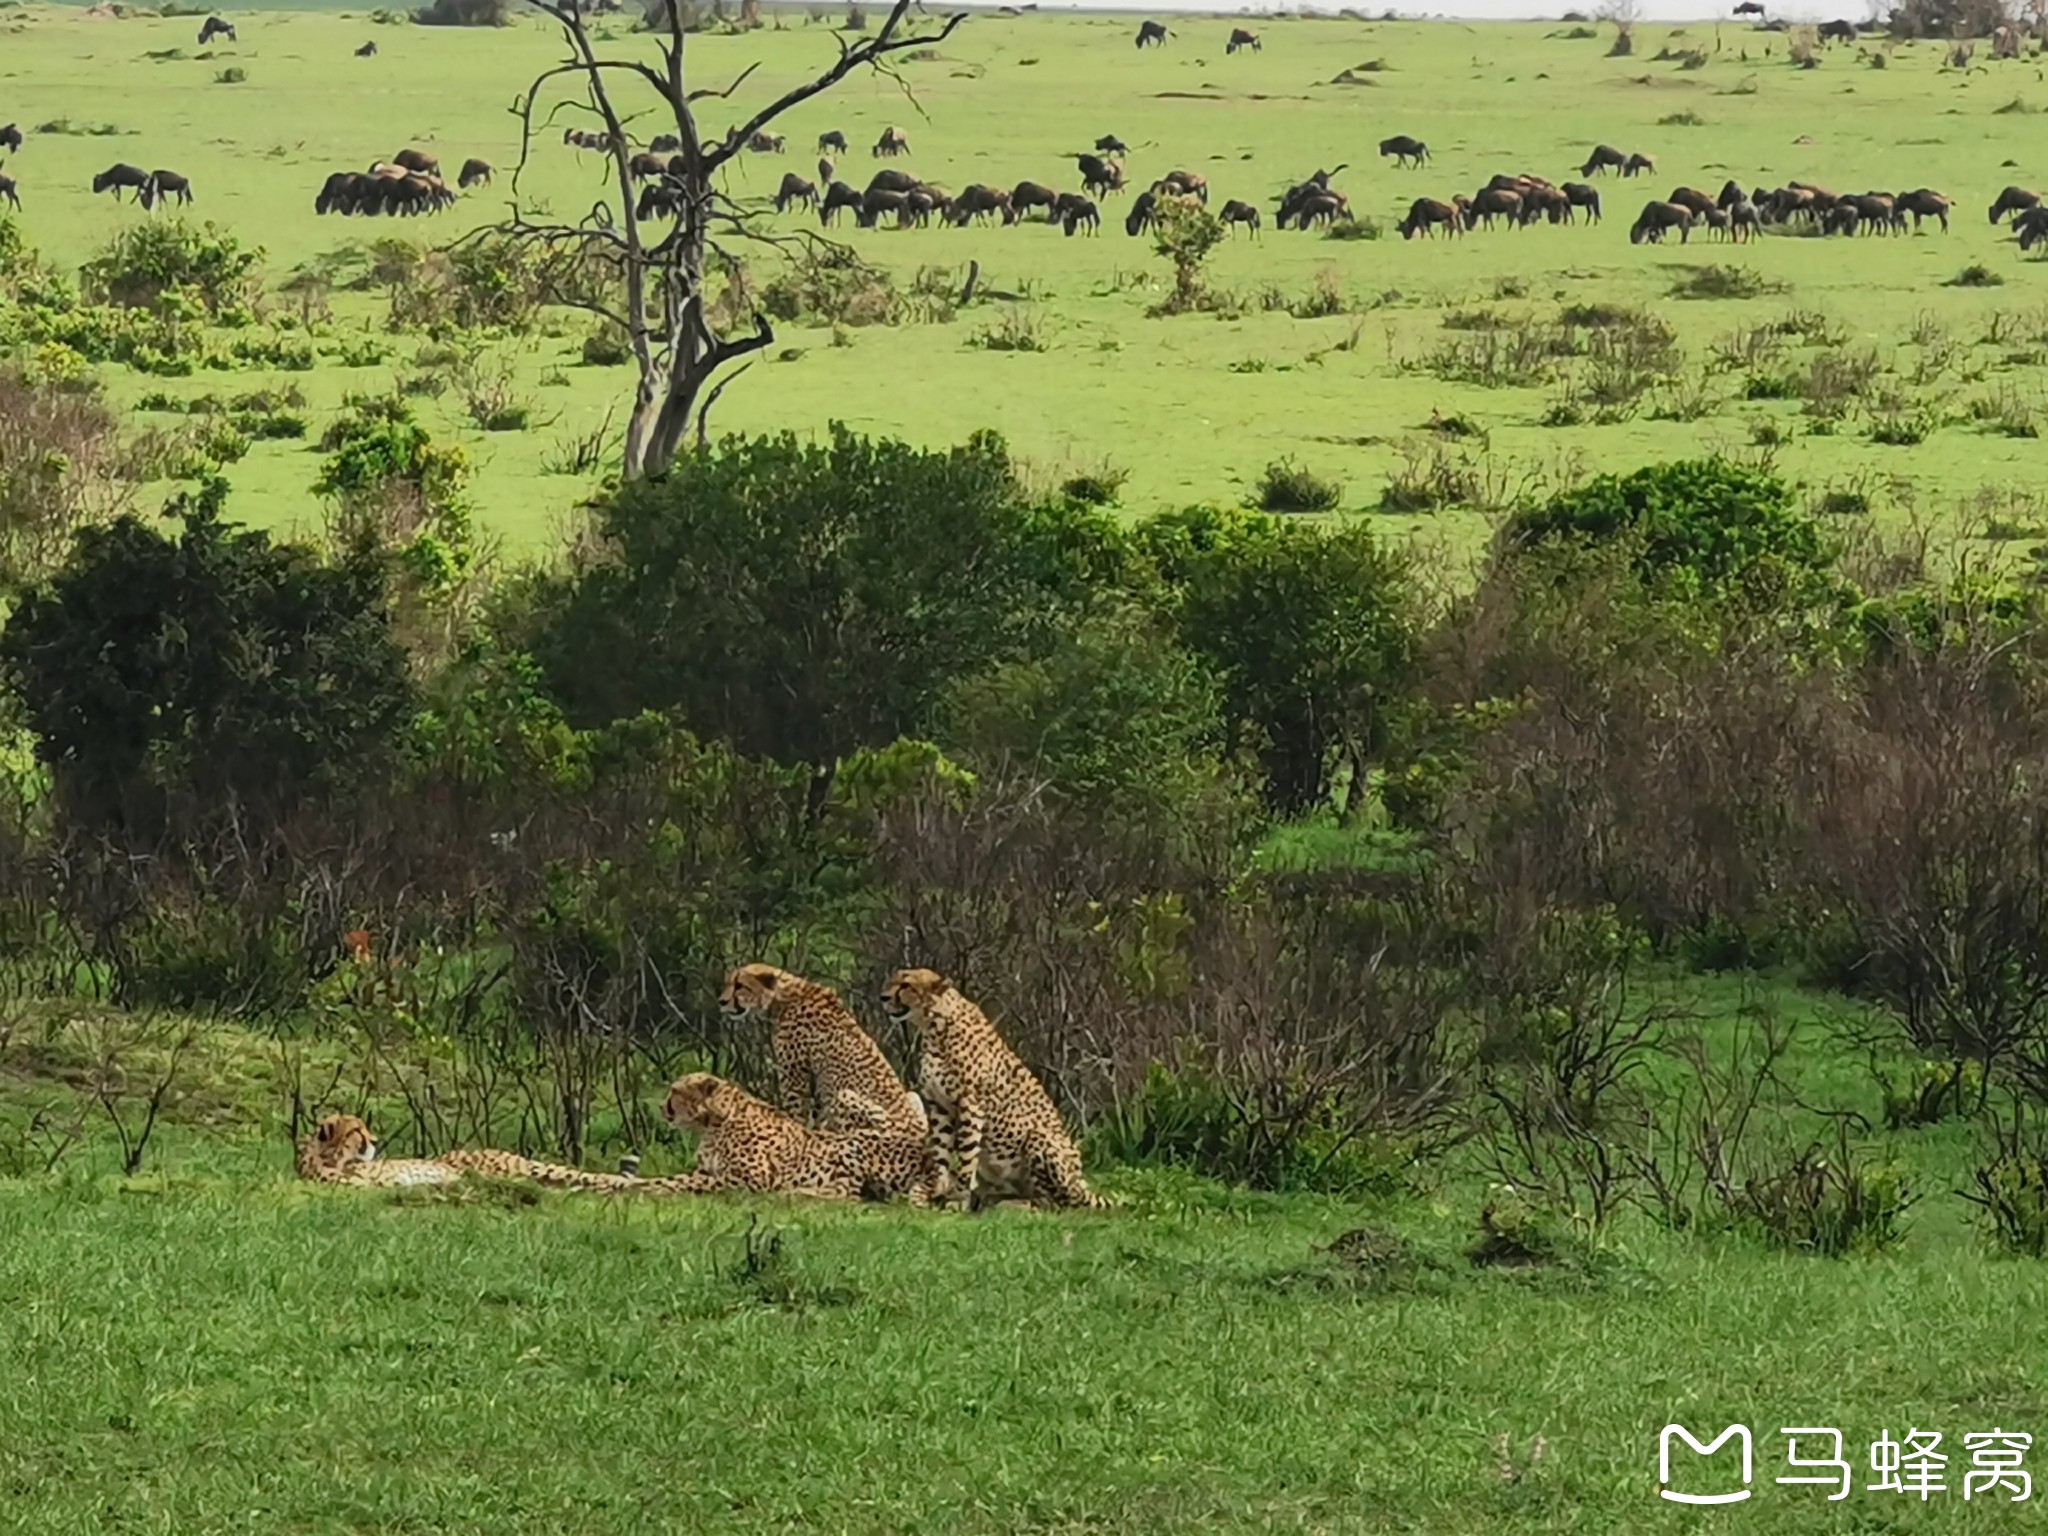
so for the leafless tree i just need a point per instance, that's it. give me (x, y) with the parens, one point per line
(652, 271)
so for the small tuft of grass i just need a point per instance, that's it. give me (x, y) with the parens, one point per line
(1724, 282)
(1290, 487)
(1976, 275)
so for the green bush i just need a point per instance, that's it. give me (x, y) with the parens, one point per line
(1288, 487)
(1826, 1202)
(171, 268)
(2012, 1191)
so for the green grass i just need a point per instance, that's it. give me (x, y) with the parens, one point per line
(1170, 398)
(211, 1347)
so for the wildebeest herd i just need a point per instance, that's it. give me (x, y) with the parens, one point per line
(408, 184)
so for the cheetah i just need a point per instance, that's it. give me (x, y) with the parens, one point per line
(826, 1061)
(986, 1108)
(749, 1144)
(341, 1150)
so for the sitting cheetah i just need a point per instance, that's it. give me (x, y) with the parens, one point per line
(985, 1105)
(750, 1144)
(340, 1150)
(825, 1059)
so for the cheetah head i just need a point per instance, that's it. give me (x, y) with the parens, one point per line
(753, 989)
(913, 991)
(343, 1139)
(701, 1100)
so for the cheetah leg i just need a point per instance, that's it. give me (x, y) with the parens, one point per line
(967, 1137)
(1058, 1182)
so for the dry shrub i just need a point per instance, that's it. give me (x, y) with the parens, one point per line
(62, 468)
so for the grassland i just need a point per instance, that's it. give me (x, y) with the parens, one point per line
(1193, 407)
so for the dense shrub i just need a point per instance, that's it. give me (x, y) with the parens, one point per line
(62, 468)
(170, 267)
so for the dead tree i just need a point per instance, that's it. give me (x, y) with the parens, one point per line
(652, 271)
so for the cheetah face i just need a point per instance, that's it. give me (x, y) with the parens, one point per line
(749, 990)
(698, 1100)
(345, 1139)
(911, 990)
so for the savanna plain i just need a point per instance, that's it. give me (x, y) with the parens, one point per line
(1549, 943)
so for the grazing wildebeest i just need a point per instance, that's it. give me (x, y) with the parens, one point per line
(664, 144)
(892, 181)
(1298, 196)
(837, 196)
(1322, 208)
(214, 27)
(7, 191)
(828, 170)
(924, 200)
(2014, 200)
(1579, 195)
(1541, 200)
(1636, 164)
(1102, 177)
(367, 51)
(832, 142)
(761, 142)
(1152, 33)
(342, 193)
(646, 167)
(1077, 212)
(1656, 218)
(1731, 194)
(1690, 197)
(795, 189)
(1491, 203)
(1186, 184)
(1243, 37)
(1235, 213)
(1743, 220)
(891, 143)
(1426, 213)
(879, 200)
(1140, 217)
(2032, 227)
(978, 202)
(115, 177)
(1924, 203)
(1838, 32)
(475, 173)
(10, 138)
(417, 160)
(1110, 144)
(1405, 150)
(162, 185)
(1605, 157)
(1027, 195)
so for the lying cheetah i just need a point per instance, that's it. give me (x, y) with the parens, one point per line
(826, 1060)
(750, 1144)
(340, 1150)
(985, 1106)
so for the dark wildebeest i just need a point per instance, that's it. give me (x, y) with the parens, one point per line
(1497, 203)
(1744, 222)
(878, 201)
(2014, 200)
(828, 170)
(1323, 208)
(1842, 219)
(978, 202)
(891, 143)
(1838, 32)
(133, 177)
(664, 144)
(1690, 197)
(795, 189)
(1186, 184)
(1027, 195)
(1656, 218)
(1152, 33)
(1638, 163)
(162, 185)
(417, 160)
(1235, 213)
(1731, 194)
(342, 193)
(1541, 199)
(832, 141)
(7, 191)
(1110, 144)
(922, 201)
(475, 173)
(1406, 151)
(1297, 197)
(1077, 212)
(1579, 195)
(1140, 217)
(761, 142)
(367, 51)
(1242, 37)
(1426, 213)
(2032, 227)
(837, 196)
(1924, 203)
(1100, 176)
(10, 138)
(646, 167)
(214, 27)
(892, 181)
(1605, 157)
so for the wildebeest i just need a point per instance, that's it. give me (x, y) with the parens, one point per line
(162, 185)
(832, 141)
(891, 181)
(1295, 200)
(1426, 213)
(1152, 33)
(1744, 222)
(659, 200)
(1102, 177)
(588, 139)
(828, 170)
(1838, 32)
(1578, 195)
(664, 144)
(761, 142)
(475, 173)
(214, 27)
(2014, 200)
(1405, 150)
(1235, 213)
(7, 191)
(795, 189)
(1690, 197)
(837, 196)
(978, 202)
(1139, 219)
(1027, 195)
(1924, 203)
(116, 177)
(924, 200)
(1605, 157)
(1186, 184)
(367, 51)
(1076, 212)
(1638, 163)
(1110, 144)
(1656, 218)
(10, 138)
(1243, 37)
(417, 160)
(646, 167)
(891, 143)
(2032, 227)
(1731, 194)
(1492, 203)
(880, 200)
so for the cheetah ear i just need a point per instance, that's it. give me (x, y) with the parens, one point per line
(947, 984)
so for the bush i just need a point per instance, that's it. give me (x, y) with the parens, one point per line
(61, 470)
(170, 268)
(464, 13)
(1288, 487)
(1826, 1204)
